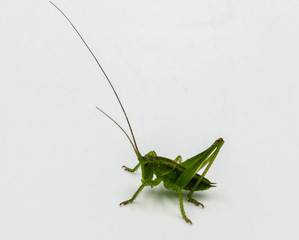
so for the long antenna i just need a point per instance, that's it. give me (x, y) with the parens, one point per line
(119, 127)
(135, 144)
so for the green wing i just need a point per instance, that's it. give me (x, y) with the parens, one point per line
(194, 164)
(198, 159)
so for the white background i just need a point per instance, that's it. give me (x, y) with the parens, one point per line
(188, 72)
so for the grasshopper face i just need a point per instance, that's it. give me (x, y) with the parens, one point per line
(146, 164)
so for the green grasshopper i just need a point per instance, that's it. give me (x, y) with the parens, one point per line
(175, 174)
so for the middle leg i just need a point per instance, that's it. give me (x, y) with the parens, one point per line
(151, 183)
(178, 159)
(134, 196)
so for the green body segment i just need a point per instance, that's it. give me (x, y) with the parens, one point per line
(183, 175)
(169, 171)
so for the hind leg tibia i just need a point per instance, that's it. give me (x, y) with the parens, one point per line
(182, 207)
(190, 199)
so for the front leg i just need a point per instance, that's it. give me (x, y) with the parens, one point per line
(154, 183)
(131, 169)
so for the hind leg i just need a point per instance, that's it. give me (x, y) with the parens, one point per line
(182, 207)
(197, 203)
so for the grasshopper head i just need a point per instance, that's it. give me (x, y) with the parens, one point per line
(150, 155)
(147, 166)
(147, 157)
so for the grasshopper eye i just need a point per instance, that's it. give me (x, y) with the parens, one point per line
(146, 164)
